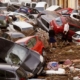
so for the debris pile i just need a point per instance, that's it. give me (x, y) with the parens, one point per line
(43, 35)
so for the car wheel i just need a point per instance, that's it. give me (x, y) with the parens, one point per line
(43, 52)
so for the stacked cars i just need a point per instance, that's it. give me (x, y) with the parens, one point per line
(31, 60)
(25, 50)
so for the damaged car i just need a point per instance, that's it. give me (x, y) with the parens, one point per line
(57, 23)
(11, 53)
(32, 42)
(23, 17)
(12, 35)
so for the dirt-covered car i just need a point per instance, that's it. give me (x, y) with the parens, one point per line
(45, 18)
(32, 62)
(32, 42)
(12, 35)
(3, 21)
(22, 26)
(23, 17)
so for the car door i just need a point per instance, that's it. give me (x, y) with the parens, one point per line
(29, 44)
(6, 75)
(10, 75)
(36, 44)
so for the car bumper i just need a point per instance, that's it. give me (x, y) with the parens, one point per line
(78, 43)
(39, 69)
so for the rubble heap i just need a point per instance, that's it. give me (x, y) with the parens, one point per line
(44, 37)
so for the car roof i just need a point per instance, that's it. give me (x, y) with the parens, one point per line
(53, 7)
(8, 67)
(48, 17)
(41, 4)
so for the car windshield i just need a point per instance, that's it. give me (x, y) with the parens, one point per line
(18, 54)
(75, 11)
(76, 35)
(40, 8)
(59, 21)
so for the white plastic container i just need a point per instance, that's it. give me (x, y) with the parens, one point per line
(59, 71)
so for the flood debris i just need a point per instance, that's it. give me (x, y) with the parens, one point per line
(43, 35)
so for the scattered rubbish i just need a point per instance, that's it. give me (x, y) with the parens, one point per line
(43, 35)
(76, 78)
(67, 62)
(70, 50)
(73, 69)
(53, 65)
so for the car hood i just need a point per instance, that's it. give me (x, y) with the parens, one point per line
(32, 59)
(22, 25)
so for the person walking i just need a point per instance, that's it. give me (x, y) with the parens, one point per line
(52, 39)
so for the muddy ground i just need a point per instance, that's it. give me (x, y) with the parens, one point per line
(61, 53)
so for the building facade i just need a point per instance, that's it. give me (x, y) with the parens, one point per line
(68, 3)
(64, 3)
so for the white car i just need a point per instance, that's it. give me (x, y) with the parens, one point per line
(53, 8)
(76, 38)
(22, 26)
(41, 6)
